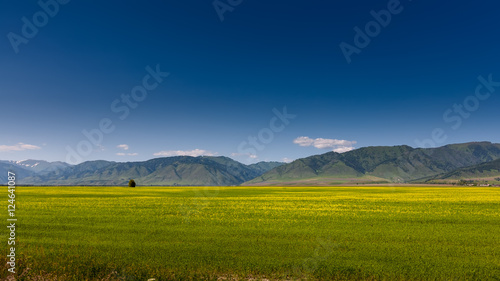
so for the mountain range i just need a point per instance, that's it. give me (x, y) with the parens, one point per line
(396, 164)
(485, 172)
(368, 165)
(178, 170)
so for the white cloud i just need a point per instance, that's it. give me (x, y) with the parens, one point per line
(303, 141)
(18, 147)
(286, 160)
(343, 149)
(122, 146)
(194, 153)
(339, 146)
(253, 156)
(127, 154)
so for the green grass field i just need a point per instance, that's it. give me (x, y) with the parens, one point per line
(240, 233)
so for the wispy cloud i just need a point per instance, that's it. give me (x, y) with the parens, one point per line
(287, 160)
(303, 141)
(343, 149)
(339, 146)
(127, 154)
(252, 156)
(194, 153)
(122, 146)
(18, 147)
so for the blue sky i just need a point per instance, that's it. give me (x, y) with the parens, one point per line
(412, 79)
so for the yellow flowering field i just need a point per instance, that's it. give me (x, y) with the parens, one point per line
(257, 233)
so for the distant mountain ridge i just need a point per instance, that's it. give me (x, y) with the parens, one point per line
(396, 164)
(367, 165)
(178, 170)
(489, 171)
(38, 166)
(27, 168)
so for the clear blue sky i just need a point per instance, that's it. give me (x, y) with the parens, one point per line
(226, 77)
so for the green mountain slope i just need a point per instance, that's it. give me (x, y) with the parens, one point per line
(180, 170)
(262, 167)
(489, 171)
(396, 164)
(379, 164)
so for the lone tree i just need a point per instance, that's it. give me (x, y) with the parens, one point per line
(131, 183)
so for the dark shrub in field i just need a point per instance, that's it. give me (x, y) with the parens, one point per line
(131, 183)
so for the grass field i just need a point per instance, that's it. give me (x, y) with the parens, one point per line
(240, 233)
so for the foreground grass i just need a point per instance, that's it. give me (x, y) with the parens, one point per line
(283, 233)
